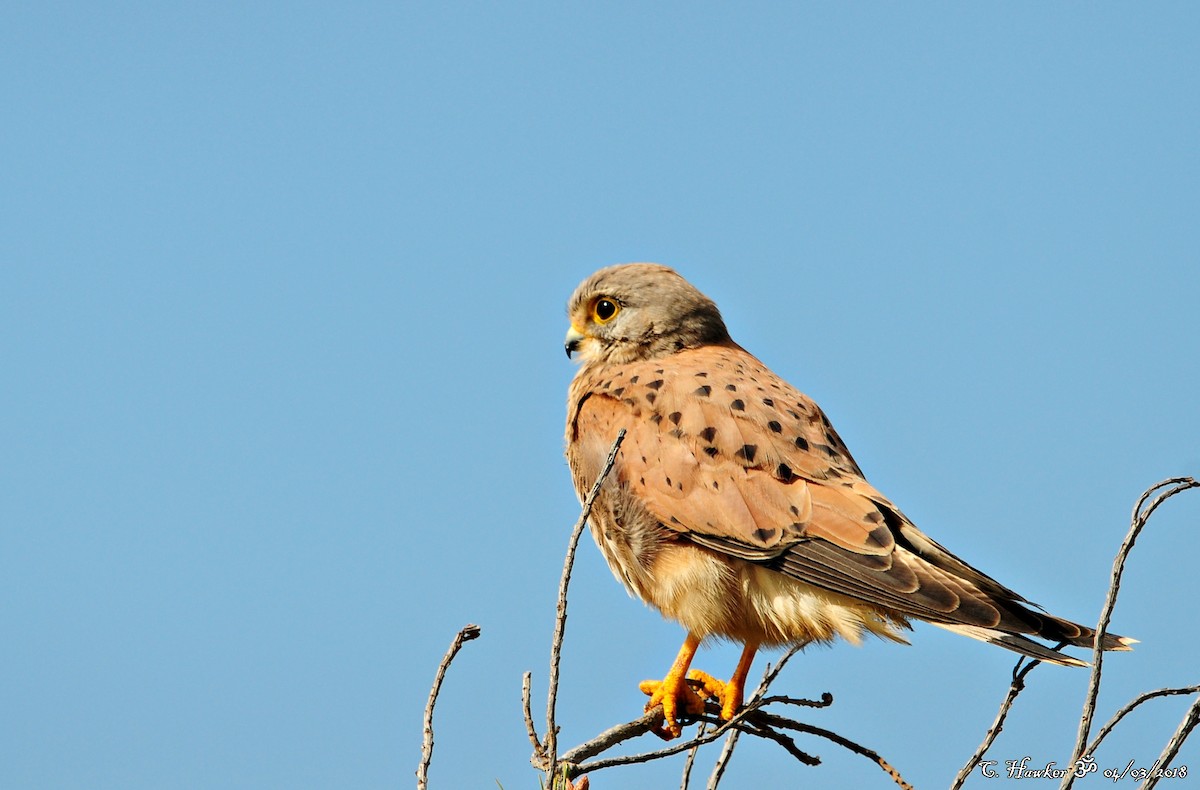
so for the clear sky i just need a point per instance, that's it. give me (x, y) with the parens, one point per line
(282, 296)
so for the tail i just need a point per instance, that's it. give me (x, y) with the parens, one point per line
(1062, 632)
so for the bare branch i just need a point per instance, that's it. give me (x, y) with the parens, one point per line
(1014, 688)
(751, 720)
(619, 734)
(769, 675)
(530, 728)
(560, 623)
(1134, 703)
(1141, 514)
(772, 672)
(468, 632)
(788, 744)
(691, 760)
(872, 755)
(723, 759)
(1189, 722)
(824, 702)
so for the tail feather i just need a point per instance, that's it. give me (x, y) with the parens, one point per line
(1027, 647)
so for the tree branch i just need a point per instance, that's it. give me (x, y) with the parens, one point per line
(691, 759)
(1189, 722)
(1123, 712)
(550, 751)
(723, 759)
(1014, 688)
(1141, 514)
(468, 632)
(530, 729)
(778, 721)
(731, 740)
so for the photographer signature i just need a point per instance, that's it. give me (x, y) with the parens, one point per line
(1020, 769)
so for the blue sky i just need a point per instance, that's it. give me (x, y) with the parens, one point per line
(281, 314)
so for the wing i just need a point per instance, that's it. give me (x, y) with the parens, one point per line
(730, 456)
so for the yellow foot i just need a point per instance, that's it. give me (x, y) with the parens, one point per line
(728, 694)
(676, 697)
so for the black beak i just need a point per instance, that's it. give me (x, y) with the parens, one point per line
(573, 341)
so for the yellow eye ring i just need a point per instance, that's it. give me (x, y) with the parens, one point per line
(605, 310)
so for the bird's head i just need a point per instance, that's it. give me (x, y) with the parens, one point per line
(638, 311)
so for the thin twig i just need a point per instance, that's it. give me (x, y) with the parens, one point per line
(723, 759)
(530, 728)
(788, 743)
(560, 622)
(1141, 514)
(772, 672)
(1014, 688)
(649, 721)
(619, 734)
(1134, 703)
(1189, 722)
(468, 632)
(691, 759)
(772, 720)
(824, 702)
(769, 675)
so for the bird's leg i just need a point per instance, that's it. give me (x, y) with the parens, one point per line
(732, 693)
(673, 692)
(735, 689)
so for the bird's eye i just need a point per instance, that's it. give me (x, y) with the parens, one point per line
(604, 310)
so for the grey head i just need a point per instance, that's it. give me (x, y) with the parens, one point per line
(637, 311)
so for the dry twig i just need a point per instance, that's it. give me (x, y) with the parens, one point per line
(468, 632)
(530, 729)
(550, 750)
(723, 759)
(691, 759)
(1014, 688)
(1134, 703)
(1189, 722)
(1141, 514)
(731, 740)
(844, 742)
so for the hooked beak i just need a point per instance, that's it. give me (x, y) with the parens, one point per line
(575, 337)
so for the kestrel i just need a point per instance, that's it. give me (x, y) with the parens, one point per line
(734, 507)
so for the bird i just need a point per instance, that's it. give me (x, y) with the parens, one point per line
(735, 509)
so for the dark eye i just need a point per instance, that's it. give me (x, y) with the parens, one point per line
(604, 310)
